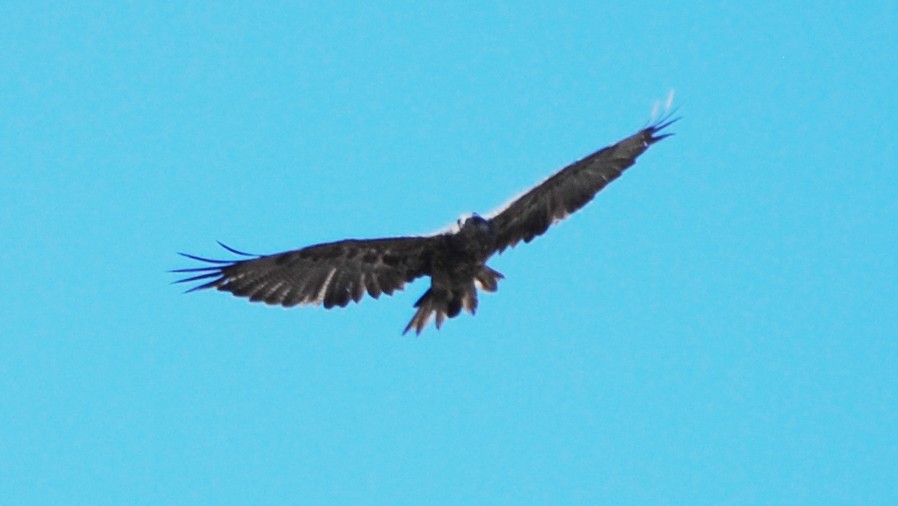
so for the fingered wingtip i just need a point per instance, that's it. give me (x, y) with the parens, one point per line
(203, 259)
(659, 125)
(235, 251)
(666, 120)
(213, 271)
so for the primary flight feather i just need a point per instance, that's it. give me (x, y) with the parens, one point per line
(335, 273)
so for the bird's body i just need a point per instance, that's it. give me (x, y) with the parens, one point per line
(457, 267)
(333, 274)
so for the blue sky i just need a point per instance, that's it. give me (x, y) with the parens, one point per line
(718, 327)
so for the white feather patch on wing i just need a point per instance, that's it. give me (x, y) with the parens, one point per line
(319, 298)
(274, 288)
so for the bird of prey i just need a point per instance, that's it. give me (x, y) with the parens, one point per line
(336, 273)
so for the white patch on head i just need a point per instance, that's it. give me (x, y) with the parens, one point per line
(452, 228)
(463, 218)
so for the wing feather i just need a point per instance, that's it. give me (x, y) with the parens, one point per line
(332, 274)
(571, 188)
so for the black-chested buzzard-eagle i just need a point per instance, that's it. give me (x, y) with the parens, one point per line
(336, 273)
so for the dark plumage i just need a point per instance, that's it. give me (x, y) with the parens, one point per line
(336, 273)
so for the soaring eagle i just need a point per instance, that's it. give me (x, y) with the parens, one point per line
(336, 273)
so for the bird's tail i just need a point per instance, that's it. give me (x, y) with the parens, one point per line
(439, 303)
(449, 303)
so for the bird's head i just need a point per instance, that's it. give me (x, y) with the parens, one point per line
(476, 236)
(474, 223)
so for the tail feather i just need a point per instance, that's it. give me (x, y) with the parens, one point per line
(427, 305)
(445, 304)
(488, 279)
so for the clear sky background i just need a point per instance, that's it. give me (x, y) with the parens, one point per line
(720, 326)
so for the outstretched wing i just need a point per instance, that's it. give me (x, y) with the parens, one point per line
(571, 188)
(331, 274)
